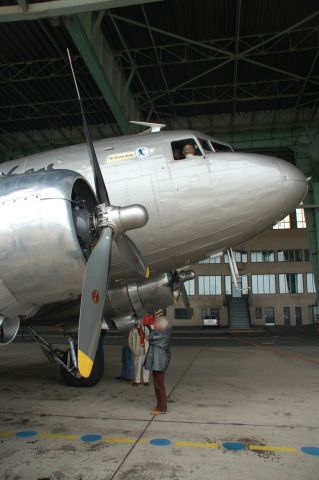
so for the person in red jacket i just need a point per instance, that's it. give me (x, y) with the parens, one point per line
(148, 320)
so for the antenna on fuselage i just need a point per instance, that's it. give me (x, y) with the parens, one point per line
(152, 127)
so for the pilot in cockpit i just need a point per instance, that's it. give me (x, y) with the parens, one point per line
(189, 151)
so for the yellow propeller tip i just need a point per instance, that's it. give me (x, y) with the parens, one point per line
(147, 273)
(85, 364)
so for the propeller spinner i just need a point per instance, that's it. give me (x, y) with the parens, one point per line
(110, 222)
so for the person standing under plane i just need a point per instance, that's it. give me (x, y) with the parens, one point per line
(127, 368)
(157, 360)
(138, 343)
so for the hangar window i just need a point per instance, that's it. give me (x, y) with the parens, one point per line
(190, 287)
(296, 219)
(208, 312)
(183, 314)
(263, 284)
(311, 287)
(209, 285)
(307, 255)
(283, 225)
(229, 286)
(290, 283)
(186, 148)
(240, 256)
(212, 259)
(301, 219)
(262, 256)
(289, 255)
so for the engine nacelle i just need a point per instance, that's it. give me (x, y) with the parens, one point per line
(9, 327)
(125, 304)
(44, 234)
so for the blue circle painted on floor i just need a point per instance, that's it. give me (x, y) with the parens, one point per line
(160, 442)
(311, 450)
(92, 437)
(234, 446)
(26, 434)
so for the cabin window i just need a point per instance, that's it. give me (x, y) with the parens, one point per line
(220, 147)
(186, 148)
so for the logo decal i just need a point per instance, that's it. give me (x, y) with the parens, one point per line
(142, 152)
(95, 296)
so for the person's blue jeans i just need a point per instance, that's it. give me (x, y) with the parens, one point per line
(127, 371)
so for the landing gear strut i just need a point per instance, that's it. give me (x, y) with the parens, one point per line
(67, 359)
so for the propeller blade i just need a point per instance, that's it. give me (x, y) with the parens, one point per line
(185, 299)
(132, 255)
(100, 187)
(182, 289)
(93, 299)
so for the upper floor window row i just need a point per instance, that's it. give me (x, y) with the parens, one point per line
(260, 256)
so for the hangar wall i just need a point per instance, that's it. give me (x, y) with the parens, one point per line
(276, 261)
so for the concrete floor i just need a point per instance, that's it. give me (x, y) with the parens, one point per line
(261, 391)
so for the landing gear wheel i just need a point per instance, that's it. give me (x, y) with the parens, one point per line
(80, 382)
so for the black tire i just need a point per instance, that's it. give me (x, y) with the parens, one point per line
(93, 379)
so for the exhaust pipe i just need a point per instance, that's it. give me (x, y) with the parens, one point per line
(9, 327)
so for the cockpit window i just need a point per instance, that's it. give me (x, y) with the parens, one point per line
(186, 148)
(220, 147)
(205, 145)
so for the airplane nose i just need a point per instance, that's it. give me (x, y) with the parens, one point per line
(290, 172)
(278, 187)
(293, 181)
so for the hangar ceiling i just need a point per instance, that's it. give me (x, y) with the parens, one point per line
(244, 69)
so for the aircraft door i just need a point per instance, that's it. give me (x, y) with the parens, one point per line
(269, 316)
(286, 316)
(298, 316)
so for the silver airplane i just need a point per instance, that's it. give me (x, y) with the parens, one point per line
(66, 259)
(212, 200)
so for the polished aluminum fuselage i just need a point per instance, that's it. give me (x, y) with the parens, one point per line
(196, 206)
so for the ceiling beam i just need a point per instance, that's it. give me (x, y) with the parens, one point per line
(238, 12)
(190, 80)
(183, 51)
(56, 8)
(104, 71)
(171, 34)
(283, 32)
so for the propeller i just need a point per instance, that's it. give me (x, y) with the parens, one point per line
(110, 222)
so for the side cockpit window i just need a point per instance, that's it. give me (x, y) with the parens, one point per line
(220, 147)
(186, 148)
(205, 145)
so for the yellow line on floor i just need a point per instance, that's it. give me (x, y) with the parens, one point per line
(122, 440)
(270, 448)
(58, 436)
(6, 434)
(197, 444)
